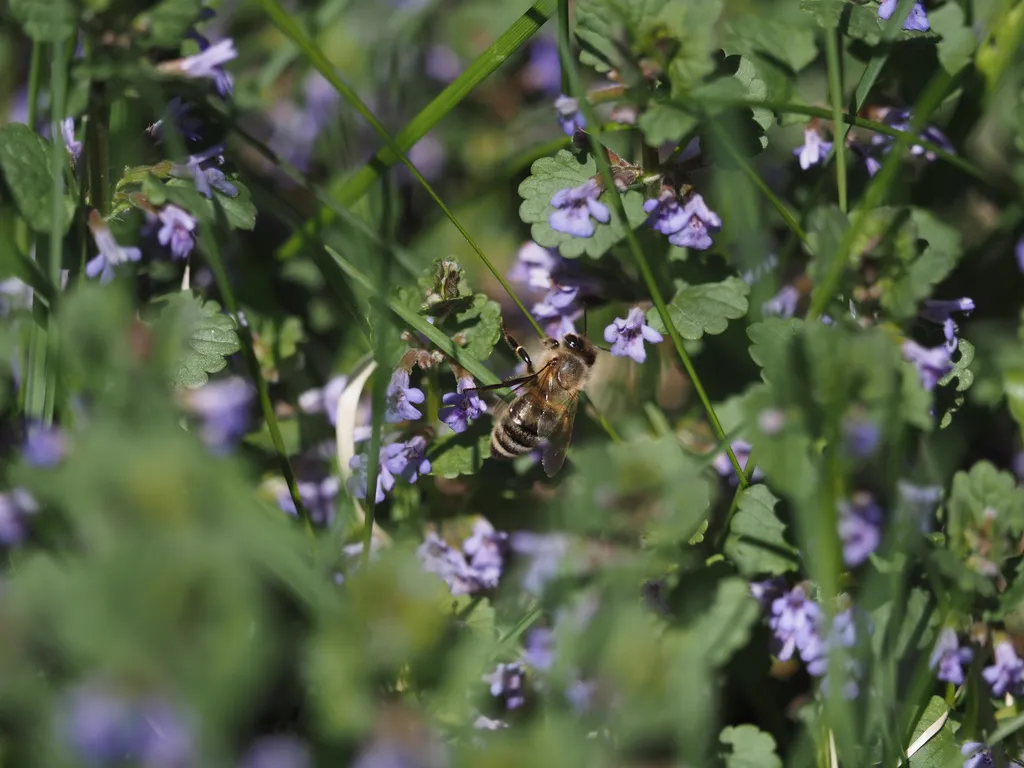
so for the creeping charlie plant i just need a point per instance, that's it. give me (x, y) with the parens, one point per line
(433, 383)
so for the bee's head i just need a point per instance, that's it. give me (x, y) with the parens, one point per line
(581, 346)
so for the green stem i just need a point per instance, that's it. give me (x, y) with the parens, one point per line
(645, 268)
(290, 28)
(58, 161)
(564, 43)
(212, 251)
(98, 147)
(354, 187)
(34, 74)
(835, 90)
(876, 192)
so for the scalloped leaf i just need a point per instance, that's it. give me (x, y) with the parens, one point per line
(964, 379)
(464, 453)
(550, 174)
(704, 308)
(725, 627)
(210, 338)
(46, 21)
(479, 324)
(756, 542)
(750, 747)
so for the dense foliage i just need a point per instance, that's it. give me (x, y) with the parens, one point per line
(257, 259)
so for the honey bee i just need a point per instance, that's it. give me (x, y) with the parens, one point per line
(546, 399)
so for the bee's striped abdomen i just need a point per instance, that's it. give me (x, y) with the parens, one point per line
(516, 433)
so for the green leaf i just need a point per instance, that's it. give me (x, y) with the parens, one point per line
(704, 308)
(1013, 388)
(601, 23)
(168, 21)
(770, 342)
(725, 627)
(25, 162)
(855, 20)
(550, 174)
(755, 88)
(984, 498)
(209, 338)
(239, 210)
(958, 42)
(756, 542)
(274, 341)
(464, 453)
(749, 746)
(904, 284)
(46, 21)
(964, 379)
(909, 614)
(664, 123)
(692, 24)
(784, 40)
(941, 750)
(479, 326)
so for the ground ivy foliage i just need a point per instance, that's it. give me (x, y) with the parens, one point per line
(568, 170)
(222, 303)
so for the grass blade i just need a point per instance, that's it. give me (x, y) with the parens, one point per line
(351, 189)
(835, 91)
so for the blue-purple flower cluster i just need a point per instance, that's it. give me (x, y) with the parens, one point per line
(474, 568)
(687, 222)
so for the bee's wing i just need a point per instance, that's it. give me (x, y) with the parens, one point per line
(556, 429)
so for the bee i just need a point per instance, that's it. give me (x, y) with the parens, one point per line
(544, 407)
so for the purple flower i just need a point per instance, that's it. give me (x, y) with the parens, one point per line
(539, 649)
(794, 622)
(862, 437)
(206, 177)
(574, 208)
(950, 658)
(976, 755)
(534, 266)
(722, 465)
(814, 149)
(428, 155)
(1019, 253)
(110, 253)
(558, 310)
(1007, 673)
(186, 124)
(765, 592)
(449, 564)
(666, 215)
(44, 446)
(277, 752)
(485, 552)
(627, 336)
(701, 221)
(545, 552)
(917, 21)
(102, 728)
(176, 227)
(940, 311)
(932, 364)
(223, 407)
(476, 568)
(543, 70)
(860, 527)
(507, 682)
(325, 399)
(783, 304)
(405, 460)
(16, 507)
(74, 148)
(207, 63)
(441, 63)
(569, 116)
(317, 497)
(461, 407)
(401, 398)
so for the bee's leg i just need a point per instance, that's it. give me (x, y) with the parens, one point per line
(518, 349)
